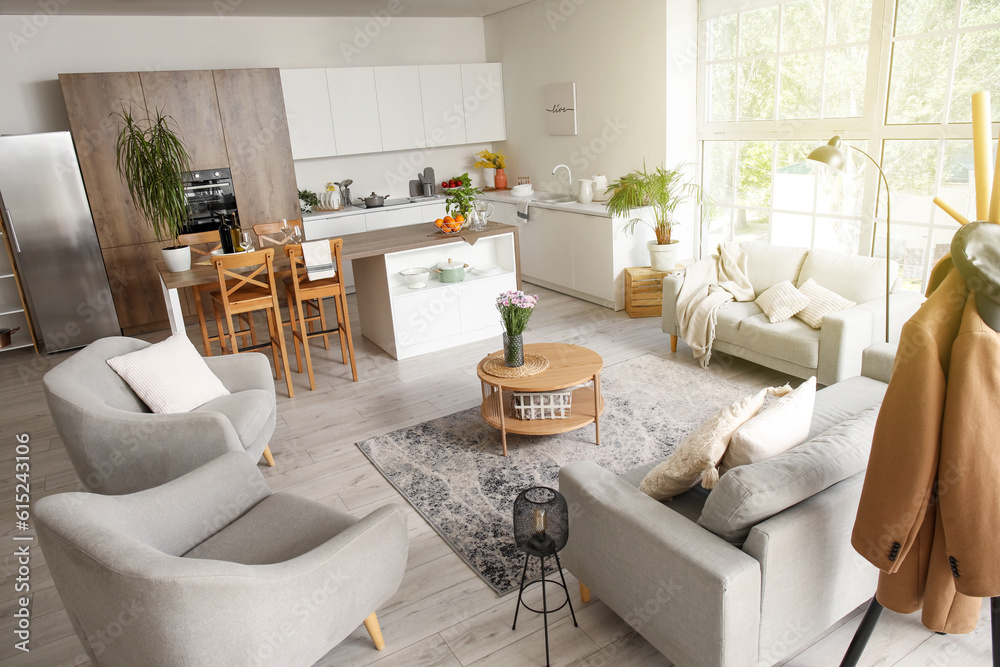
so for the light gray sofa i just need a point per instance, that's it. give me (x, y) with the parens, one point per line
(214, 569)
(832, 352)
(118, 446)
(751, 571)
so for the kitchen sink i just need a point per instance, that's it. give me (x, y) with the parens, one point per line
(547, 198)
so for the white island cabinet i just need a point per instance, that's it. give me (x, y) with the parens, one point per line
(407, 322)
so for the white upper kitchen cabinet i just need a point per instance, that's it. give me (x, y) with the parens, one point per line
(399, 109)
(307, 105)
(354, 105)
(441, 101)
(482, 90)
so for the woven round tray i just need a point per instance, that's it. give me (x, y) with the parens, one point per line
(533, 365)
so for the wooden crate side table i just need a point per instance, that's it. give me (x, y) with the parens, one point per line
(644, 291)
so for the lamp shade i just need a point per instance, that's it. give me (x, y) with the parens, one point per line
(541, 521)
(830, 154)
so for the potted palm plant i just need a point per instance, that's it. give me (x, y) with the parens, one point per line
(151, 161)
(662, 190)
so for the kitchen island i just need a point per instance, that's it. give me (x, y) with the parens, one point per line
(402, 321)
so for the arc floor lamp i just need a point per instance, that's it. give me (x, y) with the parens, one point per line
(832, 155)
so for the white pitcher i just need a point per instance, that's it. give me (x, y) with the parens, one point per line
(586, 191)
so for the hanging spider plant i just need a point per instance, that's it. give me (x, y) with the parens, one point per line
(151, 160)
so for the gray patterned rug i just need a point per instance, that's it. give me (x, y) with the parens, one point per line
(452, 472)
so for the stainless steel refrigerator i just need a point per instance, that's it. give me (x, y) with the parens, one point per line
(47, 217)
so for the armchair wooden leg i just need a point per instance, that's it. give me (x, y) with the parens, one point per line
(584, 593)
(268, 457)
(371, 625)
(673, 343)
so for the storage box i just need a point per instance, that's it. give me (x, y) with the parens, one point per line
(644, 291)
(542, 405)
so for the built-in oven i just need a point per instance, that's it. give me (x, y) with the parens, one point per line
(210, 196)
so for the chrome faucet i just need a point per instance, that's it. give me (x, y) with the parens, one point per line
(569, 175)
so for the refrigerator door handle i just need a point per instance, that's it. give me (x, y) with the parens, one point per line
(13, 233)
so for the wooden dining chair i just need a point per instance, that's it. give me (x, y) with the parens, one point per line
(299, 290)
(246, 285)
(202, 245)
(269, 234)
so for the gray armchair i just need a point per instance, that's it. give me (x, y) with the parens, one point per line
(118, 446)
(214, 569)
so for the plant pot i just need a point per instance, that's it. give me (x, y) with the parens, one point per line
(663, 257)
(500, 180)
(5, 335)
(177, 258)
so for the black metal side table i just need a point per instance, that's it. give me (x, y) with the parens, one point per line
(541, 528)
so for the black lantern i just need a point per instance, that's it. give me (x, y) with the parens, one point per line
(541, 528)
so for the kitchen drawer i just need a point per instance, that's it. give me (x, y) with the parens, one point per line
(431, 212)
(398, 217)
(328, 228)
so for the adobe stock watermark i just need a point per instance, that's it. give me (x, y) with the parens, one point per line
(31, 25)
(563, 11)
(586, 154)
(372, 29)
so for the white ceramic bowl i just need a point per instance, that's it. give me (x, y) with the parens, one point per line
(416, 277)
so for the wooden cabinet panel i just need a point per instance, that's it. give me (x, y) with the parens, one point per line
(257, 142)
(90, 101)
(188, 97)
(138, 295)
(307, 103)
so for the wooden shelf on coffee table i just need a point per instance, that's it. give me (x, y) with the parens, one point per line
(569, 365)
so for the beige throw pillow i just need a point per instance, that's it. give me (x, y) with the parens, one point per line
(821, 302)
(778, 428)
(169, 376)
(779, 302)
(699, 454)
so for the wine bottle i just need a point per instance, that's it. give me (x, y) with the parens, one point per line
(226, 235)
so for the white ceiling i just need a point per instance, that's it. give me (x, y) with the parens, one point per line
(434, 8)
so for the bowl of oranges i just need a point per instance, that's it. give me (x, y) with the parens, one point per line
(449, 225)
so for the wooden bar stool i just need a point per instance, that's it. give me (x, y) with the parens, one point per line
(299, 289)
(202, 245)
(246, 292)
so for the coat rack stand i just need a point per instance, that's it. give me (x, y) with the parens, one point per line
(868, 623)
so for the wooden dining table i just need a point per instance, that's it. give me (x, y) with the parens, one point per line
(356, 246)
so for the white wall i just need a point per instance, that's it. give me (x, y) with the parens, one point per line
(38, 48)
(634, 64)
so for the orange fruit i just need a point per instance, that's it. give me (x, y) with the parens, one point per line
(448, 219)
(459, 218)
(439, 222)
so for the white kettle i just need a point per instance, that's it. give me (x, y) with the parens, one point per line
(586, 191)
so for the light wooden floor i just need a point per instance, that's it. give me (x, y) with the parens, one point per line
(443, 613)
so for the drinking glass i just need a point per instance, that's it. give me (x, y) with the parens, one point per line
(246, 241)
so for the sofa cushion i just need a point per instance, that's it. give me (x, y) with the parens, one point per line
(169, 376)
(859, 279)
(843, 400)
(749, 494)
(698, 455)
(248, 410)
(792, 340)
(776, 429)
(293, 525)
(729, 316)
(769, 264)
(781, 301)
(822, 302)
(688, 504)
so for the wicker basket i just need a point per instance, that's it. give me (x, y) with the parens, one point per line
(542, 405)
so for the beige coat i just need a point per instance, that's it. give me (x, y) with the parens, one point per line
(923, 439)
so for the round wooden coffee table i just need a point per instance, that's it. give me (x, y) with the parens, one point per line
(569, 365)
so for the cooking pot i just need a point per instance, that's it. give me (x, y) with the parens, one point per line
(373, 200)
(451, 272)
(5, 335)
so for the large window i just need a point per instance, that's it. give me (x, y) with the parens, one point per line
(892, 77)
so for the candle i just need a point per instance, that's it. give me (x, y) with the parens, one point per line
(539, 521)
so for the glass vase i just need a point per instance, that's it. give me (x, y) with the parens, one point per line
(513, 351)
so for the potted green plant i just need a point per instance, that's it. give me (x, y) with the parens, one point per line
(461, 197)
(151, 159)
(662, 190)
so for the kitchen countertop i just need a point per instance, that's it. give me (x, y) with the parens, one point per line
(356, 210)
(596, 208)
